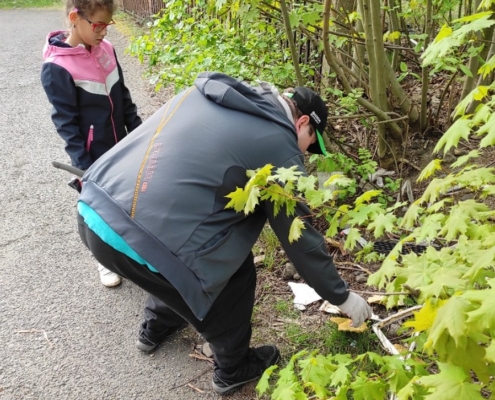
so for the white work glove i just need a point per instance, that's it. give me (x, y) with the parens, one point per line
(356, 308)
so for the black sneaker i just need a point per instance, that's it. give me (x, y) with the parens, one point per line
(251, 369)
(144, 343)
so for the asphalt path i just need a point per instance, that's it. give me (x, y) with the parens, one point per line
(62, 334)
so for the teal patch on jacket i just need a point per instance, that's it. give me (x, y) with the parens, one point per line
(108, 235)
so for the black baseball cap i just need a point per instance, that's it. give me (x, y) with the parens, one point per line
(312, 105)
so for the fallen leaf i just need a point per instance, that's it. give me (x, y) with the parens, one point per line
(344, 324)
(329, 308)
(376, 299)
(400, 349)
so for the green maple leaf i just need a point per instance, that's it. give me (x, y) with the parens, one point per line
(481, 92)
(424, 318)
(337, 221)
(451, 321)
(432, 224)
(474, 17)
(260, 176)
(431, 193)
(252, 199)
(488, 190)
(483, 260)
(319, 391)
(287, 174)
(395, 372)
(340, 376)
(306, 183)
(456, 224)
(295, 231)
(464, 159)
(451, 383)
(489, 130)
(442, 280)
(238, 199)
(439, 205)
(358, 216)
(477, 22)
(482, 317)
(483, 113)
(419, 270)
(383, 223)
(486, 69)
(430, 169)
(311, 17)
(277, 195)
(316, 198)
(476, 178)
(291, 392)
(490, 352)
(263, 385)
(412, 214)
(367, 196)
(316, 369)
(365, 388)
(460, 129)
(385, 273)
(352, 238)
(408, 391)
(439, 50)
(471, 358)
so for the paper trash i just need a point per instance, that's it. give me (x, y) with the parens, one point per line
(303, 295)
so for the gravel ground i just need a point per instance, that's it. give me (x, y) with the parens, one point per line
(62, 334)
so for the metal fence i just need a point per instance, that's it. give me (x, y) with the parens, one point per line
(142, 8)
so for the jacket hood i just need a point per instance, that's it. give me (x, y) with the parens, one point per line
(55, 46)
(237, 95)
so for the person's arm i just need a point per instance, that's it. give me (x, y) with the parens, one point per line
(132, 119)
(312, 261)
(309, 254)
(61, 91)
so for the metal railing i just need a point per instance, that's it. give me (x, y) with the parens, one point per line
(142, 8)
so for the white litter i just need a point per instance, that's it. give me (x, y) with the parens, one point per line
(303, 295)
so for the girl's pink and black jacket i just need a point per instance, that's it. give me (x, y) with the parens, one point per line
(86, 89)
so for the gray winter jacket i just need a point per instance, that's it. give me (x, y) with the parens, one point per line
(163, 190)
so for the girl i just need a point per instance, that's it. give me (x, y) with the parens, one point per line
(92, 107)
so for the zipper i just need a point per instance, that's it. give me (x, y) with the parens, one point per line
(108, 95)
(90, 138)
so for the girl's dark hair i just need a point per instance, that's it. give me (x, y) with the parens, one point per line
(89, 7)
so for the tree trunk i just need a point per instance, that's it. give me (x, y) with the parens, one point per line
(425, 72)
(359, 49)
(290, 38)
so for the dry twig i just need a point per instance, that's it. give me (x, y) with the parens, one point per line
(190, 380)
(37, 331)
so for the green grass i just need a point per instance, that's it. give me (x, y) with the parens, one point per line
(6, 4)
(269, 245)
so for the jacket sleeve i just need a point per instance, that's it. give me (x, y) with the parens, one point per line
(308, 254)
(61, 91)
(132, 119)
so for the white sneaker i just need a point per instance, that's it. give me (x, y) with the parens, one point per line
(107, 277)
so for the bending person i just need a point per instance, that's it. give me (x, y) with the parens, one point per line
(152, 209)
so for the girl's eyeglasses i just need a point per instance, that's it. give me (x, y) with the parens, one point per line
(97, 28)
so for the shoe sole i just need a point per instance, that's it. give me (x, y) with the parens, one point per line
(145, 347)
(117, 283)
(227, 389)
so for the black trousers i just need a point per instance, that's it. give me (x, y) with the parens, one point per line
(226, 327)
